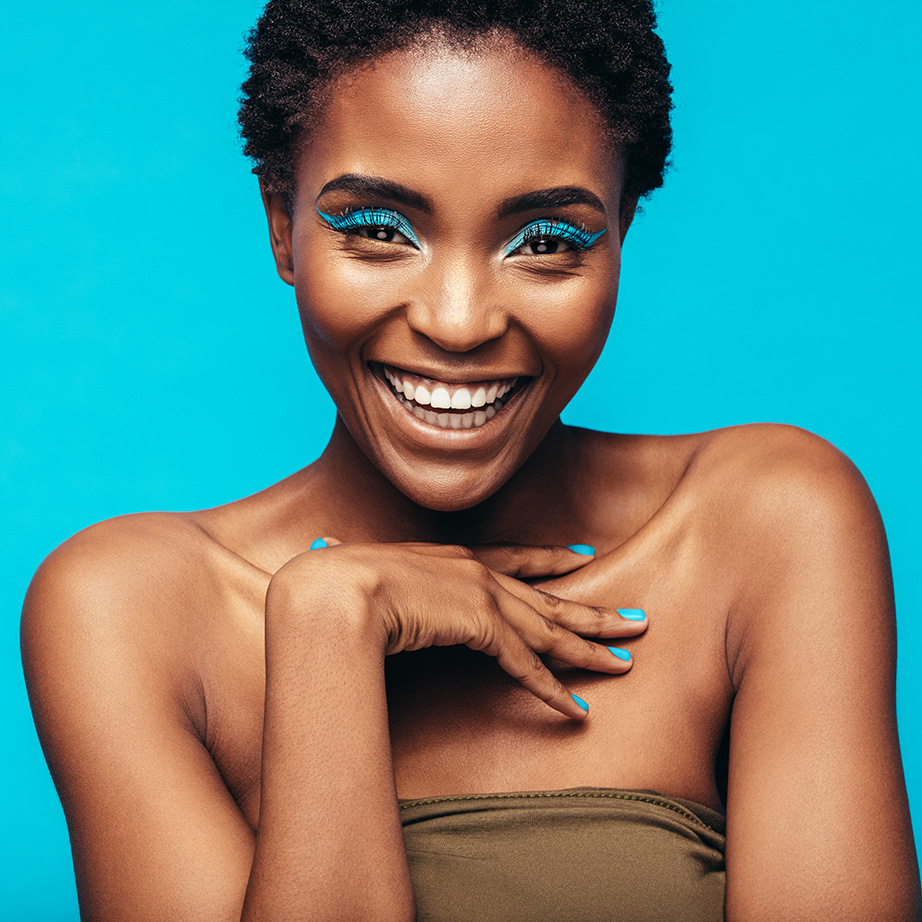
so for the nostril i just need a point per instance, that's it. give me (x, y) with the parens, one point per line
(457, 327)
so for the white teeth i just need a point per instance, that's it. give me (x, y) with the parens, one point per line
(441, 398)
(451, 420)
(450, 397)
(461, 400)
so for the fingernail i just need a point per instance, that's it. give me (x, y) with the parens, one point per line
(621, 654)
(587, 549)
(579, 701)
(318, 543)
(632, 614)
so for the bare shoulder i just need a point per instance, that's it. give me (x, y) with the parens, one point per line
(755, 483)
(120, 573)
(784, 493)
(122, 600)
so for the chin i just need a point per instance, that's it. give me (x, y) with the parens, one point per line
(444, 491)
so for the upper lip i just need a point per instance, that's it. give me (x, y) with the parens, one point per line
(451, 377)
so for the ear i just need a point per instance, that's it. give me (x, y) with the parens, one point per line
(279, 232)
(626, 216)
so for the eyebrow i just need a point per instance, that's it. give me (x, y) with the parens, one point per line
(360, 184)
(558, 197)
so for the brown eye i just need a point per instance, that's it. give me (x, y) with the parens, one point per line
(551, 236)
(381, 232)
(541, 245)
(379, 224)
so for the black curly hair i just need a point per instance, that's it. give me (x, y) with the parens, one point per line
(608, 48)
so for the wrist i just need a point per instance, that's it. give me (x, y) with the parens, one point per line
(327, 590)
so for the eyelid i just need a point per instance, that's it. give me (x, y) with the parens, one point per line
(356, 218)
(579, 237)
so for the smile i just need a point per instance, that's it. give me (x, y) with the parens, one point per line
(446, 405)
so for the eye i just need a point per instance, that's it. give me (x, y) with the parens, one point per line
(546, 237)
(374, 224)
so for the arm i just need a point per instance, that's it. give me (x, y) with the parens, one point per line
(818, 819)
(155, 832)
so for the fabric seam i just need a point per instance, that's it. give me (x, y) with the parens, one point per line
(533, 795)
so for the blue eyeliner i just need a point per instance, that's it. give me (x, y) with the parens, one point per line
(577, 237)
(371, 217)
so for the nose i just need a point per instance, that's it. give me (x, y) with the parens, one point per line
(457, 307)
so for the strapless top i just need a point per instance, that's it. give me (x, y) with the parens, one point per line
(579, 855)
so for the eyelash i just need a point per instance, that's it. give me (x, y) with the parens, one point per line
(577, 237)
(362, 218)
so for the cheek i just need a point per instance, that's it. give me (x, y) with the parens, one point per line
(572, 321)
(340, 300)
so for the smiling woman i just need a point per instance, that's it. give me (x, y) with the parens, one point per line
(364, 693)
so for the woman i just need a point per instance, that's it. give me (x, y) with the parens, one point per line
(244, 721)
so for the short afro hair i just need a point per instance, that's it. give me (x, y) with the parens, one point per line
(608, 48)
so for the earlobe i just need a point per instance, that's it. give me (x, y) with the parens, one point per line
(279, 219)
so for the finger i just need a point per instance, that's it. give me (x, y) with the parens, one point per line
(525, 560)
(546, 637)
(522, 663)
(325, 541)
(585, 620)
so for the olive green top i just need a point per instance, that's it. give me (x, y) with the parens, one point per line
(580, 855)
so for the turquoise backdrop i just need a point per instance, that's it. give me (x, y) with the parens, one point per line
(151, 359)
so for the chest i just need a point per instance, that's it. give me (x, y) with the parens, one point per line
(459, 724)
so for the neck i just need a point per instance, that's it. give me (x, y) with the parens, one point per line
(536, 505)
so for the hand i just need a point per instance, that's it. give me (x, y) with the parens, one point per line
(430, 595)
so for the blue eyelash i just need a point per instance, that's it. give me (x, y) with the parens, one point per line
(578, 238)
(371, 217)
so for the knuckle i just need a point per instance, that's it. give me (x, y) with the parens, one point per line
(553, 691)
(531, 668)
(477, 570)
(551, 602)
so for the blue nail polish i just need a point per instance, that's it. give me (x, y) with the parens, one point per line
(621, 654)
(318, 543)
(632, 614)
(586, 549)
(579, 701)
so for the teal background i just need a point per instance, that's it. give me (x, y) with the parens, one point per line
(151, 359)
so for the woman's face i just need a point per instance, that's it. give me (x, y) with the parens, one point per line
(454, 243)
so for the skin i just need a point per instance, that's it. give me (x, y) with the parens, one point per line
(212, 696)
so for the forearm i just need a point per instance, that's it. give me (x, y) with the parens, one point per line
(329, 844)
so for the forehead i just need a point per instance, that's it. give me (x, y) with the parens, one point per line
(485, 122)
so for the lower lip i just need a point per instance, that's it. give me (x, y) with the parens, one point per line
(436, 433)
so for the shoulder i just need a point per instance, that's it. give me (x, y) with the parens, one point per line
(117, 602)
(794, 530)
(143, 559)
(752, 481)
(783, 491)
